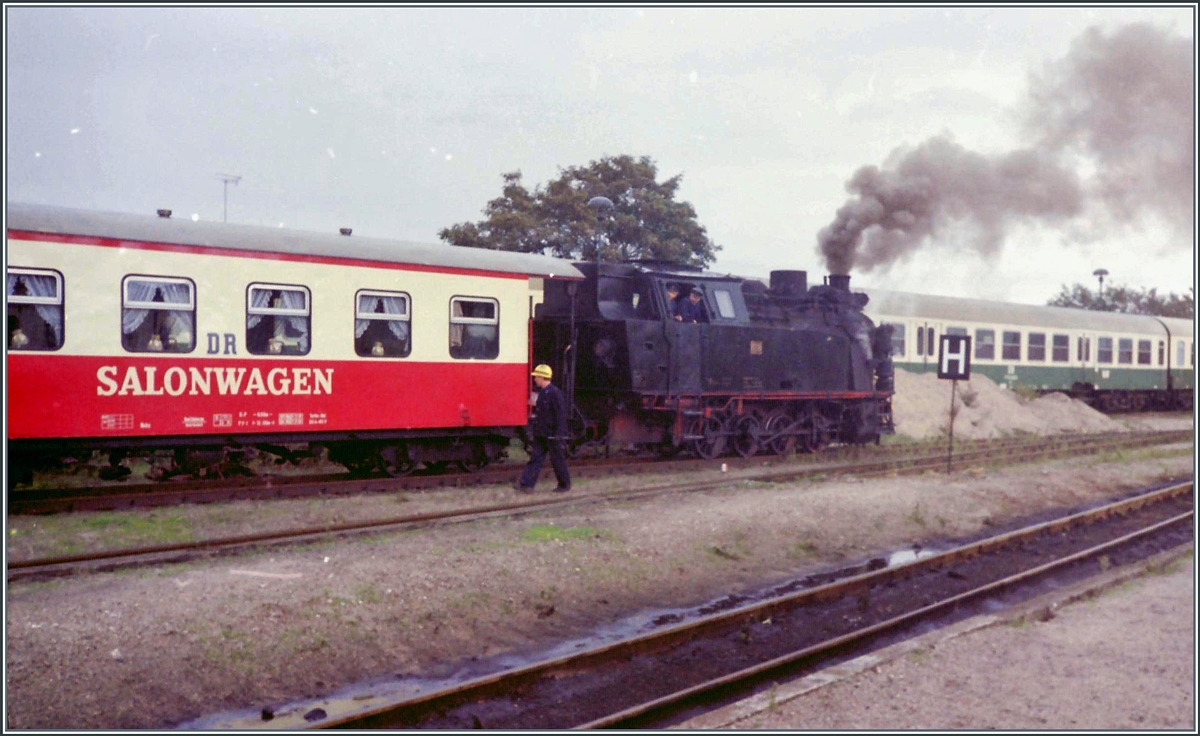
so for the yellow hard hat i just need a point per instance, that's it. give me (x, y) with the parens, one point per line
(543, 371)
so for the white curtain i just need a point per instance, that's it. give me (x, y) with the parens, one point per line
(137, 291)
(295, 300)
(258, 298)
(43, 286)
(370, 304)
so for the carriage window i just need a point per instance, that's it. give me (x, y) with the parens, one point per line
(1012, 346)
(897, 340)
(35, 309)
(1179, 351)
(474, 328)
(1037, 346)
(985, 344)
(724, 304)
(1083, 349)
(1143, 352)
(1125, 351)
(1162, 352)
(158, 315)
(381, 324)
(1104, 350)
(920, 341)
(956, 331)
(278, 320)
(929, 341)
(1061, 352)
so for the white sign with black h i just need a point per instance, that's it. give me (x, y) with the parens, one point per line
(954, 357)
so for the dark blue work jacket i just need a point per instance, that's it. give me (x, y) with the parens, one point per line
(549, 417)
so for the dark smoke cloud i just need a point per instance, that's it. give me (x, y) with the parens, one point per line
(1121, 102)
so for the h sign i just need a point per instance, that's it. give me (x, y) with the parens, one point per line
(954, 357)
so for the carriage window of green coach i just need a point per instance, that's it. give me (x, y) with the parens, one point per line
(1144, 352)
(1104, 350)
(1011, 350)
(1179, 353)
(897, 339)
(278, 320)
(1125, 351)
(1037, 346)
(381, 324)
(158, 315)
(1061, 349)
(985, 344)
(35, 309)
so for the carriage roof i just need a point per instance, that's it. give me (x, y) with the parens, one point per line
(896, 304)
(255, 238)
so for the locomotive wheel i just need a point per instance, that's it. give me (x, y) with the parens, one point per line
(779, 421)
(712, 444)
(815, 436)
(745, 434)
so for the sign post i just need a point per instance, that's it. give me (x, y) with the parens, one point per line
(954, 363)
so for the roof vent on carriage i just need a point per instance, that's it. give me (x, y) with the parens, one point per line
(165, 214)
(345, 230)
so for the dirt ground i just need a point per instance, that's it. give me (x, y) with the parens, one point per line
(163, 646)
(1121, 660)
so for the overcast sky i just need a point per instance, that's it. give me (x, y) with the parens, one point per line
(400, 121)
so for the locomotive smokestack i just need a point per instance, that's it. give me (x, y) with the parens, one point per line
(165, 214)
(840, 281)
(345, 230)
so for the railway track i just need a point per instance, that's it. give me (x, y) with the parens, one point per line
(648, 680)
(1009, 452)
(115, 497)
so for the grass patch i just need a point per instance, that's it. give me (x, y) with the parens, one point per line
(554, 533)
(915, 516)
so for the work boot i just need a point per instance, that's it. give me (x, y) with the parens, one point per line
(562, 489)
(516, 484)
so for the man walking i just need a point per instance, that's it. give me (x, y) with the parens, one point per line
(548, 432)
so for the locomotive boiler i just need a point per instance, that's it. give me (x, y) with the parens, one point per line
(766, 368)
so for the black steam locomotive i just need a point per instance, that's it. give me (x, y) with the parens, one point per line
(765, 369)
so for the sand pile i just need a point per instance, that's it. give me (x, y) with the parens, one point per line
(922, 403)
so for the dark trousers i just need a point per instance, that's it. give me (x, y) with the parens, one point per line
(539, 447)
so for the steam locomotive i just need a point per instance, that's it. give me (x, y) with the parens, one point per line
(765, 368)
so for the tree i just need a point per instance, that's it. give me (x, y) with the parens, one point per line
(645, 223)
(1128, 300)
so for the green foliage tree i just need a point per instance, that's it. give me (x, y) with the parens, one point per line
(1129, 300)
(646, 222)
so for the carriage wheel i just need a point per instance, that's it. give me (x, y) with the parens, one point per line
(394, 460)
(745, 434)
(712, 444)
(779, 421)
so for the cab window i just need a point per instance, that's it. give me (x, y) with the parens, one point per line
(158, 314)
(35, 309)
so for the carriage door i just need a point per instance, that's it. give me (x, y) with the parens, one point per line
(1083, 365)
(926, 345)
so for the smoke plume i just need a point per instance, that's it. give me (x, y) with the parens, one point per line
(1122, 104)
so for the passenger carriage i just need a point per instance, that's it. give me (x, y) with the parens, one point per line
(1114, 361)
(128, 332)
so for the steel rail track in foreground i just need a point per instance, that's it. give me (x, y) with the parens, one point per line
(107, 560)
(168, 493)
(512, 687)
